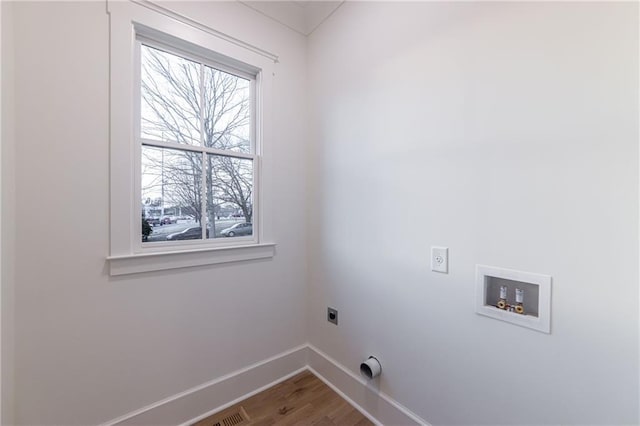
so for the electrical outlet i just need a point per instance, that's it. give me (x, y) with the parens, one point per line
(332, 316)
(440, 259)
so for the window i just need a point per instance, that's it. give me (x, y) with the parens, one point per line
(190, 129)
(198, 162)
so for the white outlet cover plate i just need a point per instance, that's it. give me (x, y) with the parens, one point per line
(440, 259)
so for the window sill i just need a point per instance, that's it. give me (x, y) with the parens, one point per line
(148, 262)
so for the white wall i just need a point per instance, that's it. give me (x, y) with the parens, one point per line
(7, 277)
(509, 133)
(89, 347)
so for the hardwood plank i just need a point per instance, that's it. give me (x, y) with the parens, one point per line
(301, 400)
(323, 421)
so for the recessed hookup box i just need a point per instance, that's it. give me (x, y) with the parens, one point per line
(517, 297)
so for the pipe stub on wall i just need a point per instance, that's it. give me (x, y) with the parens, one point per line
(371, 368)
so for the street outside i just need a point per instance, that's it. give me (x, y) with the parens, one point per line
(160, 232)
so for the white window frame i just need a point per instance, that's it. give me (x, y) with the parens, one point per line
(134, 23)
(146, 37)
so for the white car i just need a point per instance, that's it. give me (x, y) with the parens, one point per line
(238, 229)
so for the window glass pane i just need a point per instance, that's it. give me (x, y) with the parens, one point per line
(170, 97)
(229, 196)
(227, 111)
(171, 194)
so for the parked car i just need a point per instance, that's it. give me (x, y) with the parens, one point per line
(238, 229)
(193, 233)
(153, 221)
(168, 220)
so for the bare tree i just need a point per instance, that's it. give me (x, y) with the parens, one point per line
(237, 174)
(190, 103)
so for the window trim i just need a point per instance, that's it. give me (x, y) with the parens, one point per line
(133, 24)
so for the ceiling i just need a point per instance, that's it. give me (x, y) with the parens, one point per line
(300, 16)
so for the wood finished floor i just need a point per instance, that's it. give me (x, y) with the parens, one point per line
(302, 400)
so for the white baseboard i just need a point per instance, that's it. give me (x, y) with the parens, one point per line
(239, 385)
(379, 407)
(221, 392)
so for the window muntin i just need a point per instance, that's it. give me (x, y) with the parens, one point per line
(198, 154)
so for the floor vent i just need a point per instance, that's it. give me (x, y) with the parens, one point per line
(234, 419)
